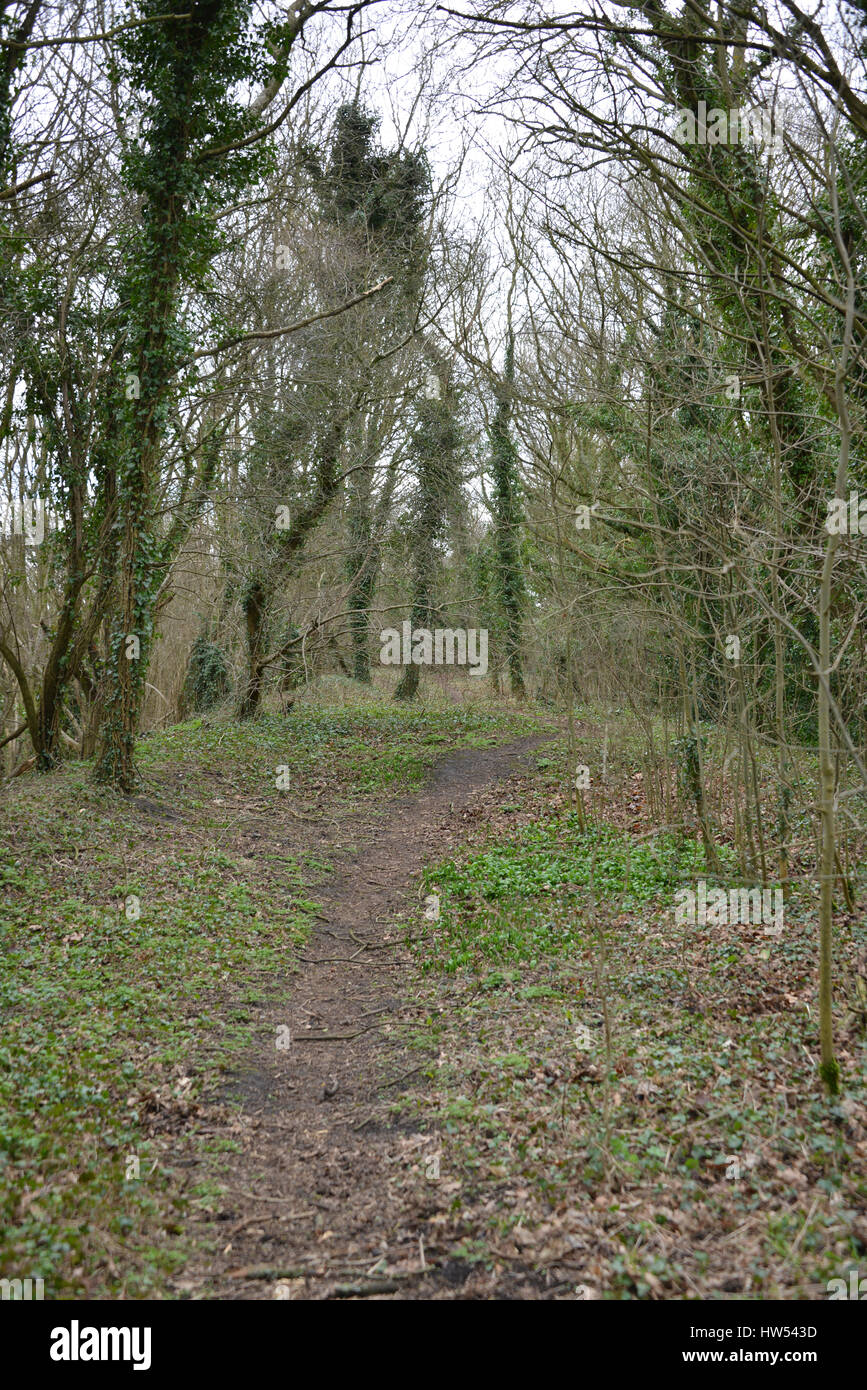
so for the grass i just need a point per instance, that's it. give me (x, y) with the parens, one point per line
(138, 936)
(517, 900)
(100, 1012)
(625, 1101)
(641, 1096)
(337, 754)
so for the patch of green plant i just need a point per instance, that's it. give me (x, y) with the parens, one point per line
(530, 896)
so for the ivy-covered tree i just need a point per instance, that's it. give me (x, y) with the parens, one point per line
(435, 452)
(378, 198)
(195, 149)
(506, 506)
(336, 420)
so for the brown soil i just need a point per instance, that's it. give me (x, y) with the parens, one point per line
(330, 1196)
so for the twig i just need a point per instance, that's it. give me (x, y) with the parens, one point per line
(796, 1242)
(257, 1197)
(362, 1123)
(335, 1037)
(271, 1272)
(374, 1286)
(266, 334)
(398, 1079)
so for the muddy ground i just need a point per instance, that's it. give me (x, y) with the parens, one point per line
(332, 1197)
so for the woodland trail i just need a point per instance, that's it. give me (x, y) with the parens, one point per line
(328, 1190)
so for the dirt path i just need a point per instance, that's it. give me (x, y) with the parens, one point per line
(331, 1198)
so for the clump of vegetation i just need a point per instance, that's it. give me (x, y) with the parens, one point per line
(208, 681)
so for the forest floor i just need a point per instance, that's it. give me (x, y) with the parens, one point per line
(239, 1059)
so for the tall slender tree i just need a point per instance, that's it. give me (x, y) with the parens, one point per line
(435, 451)
(506, 504)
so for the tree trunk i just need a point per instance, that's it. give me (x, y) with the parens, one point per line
(254, 618)
(507, 523)
(829, 1068)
